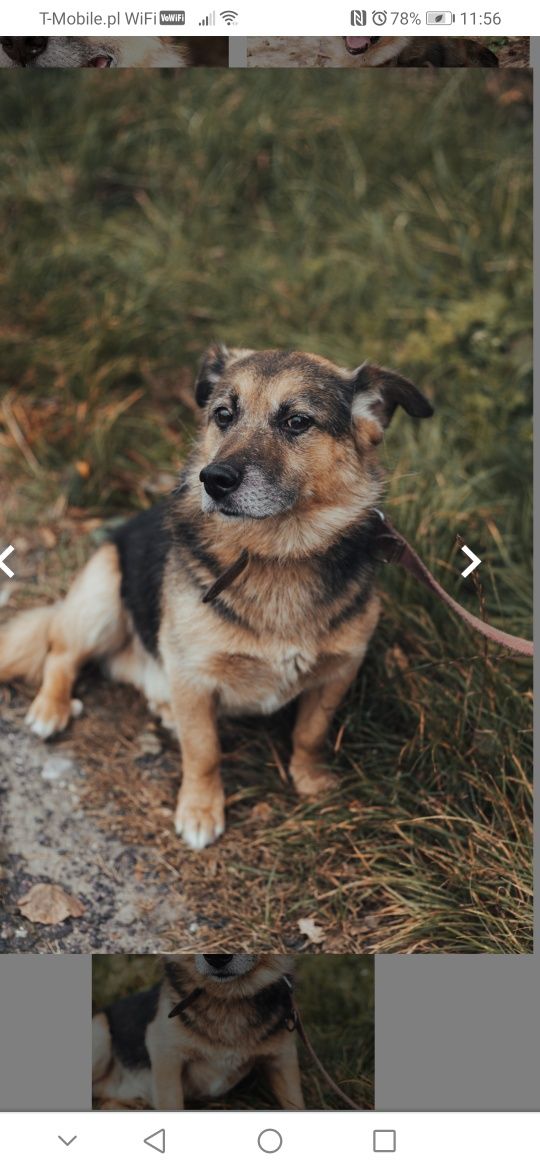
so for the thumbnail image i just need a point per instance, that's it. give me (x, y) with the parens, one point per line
(384, 52)
(112, 52)
(228, 347)
(218, 1031)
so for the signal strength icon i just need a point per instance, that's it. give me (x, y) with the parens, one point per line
(208, 20)
(229, 16)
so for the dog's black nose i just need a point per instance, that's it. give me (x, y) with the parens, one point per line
(220, 479)
(218, 961)
(22, 50)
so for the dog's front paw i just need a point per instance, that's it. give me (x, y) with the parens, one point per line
(47, 717)
(312, 780)
(200, 822)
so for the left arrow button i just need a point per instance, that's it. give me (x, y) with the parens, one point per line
(3, 557)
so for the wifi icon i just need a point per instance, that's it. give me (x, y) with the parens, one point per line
(229, 17)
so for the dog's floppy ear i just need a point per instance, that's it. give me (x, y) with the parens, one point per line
(211, 369)
(377, 392)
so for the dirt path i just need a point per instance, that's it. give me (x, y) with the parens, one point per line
(50, 838)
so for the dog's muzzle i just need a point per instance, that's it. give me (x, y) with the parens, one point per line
(220, 479)
(23, 50)
(224, 967)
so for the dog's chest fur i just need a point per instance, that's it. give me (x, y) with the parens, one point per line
(261, 641)
(222, 1038)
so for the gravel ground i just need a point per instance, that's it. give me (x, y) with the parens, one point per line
(49, 837)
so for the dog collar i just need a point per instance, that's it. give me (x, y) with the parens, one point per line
(290, 1021)
(185, 1003)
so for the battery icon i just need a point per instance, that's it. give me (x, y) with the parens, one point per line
(440, 17)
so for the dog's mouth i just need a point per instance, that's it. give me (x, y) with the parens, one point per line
(221, 976)
(359, 45)
(101, 61)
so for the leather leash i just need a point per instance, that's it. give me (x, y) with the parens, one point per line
(396, 550)
(294, 1023)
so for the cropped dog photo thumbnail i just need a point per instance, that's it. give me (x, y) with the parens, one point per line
(112, 52)
(388, 52)
(233, 1031)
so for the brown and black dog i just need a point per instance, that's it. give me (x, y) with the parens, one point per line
(91, 53)
(211, 1021)
(285, 473)
(421, 52)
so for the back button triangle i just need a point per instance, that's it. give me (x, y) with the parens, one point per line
(156, 1141)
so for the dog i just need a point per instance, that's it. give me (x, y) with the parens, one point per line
(211, 1021)
(91, 53)
(421, 52)
(283, 482)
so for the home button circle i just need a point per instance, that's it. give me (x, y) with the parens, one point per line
(270, 1141)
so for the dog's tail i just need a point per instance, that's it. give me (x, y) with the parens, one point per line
(24, 643)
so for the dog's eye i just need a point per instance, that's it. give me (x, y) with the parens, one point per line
(296, 424)
(223, 417)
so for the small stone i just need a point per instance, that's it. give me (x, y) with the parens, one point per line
(56, 767)
(148, 744)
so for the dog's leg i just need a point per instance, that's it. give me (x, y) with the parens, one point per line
(167, 1091)
(315, 713)
(200, 812)
(166, 1063)
(89, 623)
(284, 1076)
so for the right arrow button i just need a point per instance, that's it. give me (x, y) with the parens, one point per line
(475, 561)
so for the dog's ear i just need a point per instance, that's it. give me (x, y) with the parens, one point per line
(377, 393)
(211, 369)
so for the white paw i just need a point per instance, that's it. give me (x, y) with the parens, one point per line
(47, 718)
(311, 782)
(201, 824)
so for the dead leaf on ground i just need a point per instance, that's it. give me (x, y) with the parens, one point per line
(395, 660)
(309, 927)
(261, 812)
(49, 905)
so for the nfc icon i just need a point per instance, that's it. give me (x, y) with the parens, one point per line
(358, 17)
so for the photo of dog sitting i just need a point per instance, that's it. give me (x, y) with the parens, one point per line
(251, 585)
(91, 53)
(194, 1036)
(421, 52)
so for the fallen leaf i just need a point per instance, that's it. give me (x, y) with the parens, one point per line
(48, 537)
(395, 660)
(49, 905)
(309, 927)
(261, 812)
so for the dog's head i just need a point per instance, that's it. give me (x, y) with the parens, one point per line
(231, 975)
(291, 433)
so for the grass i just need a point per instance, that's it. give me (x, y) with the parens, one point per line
(322, 211)
(335, 995)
